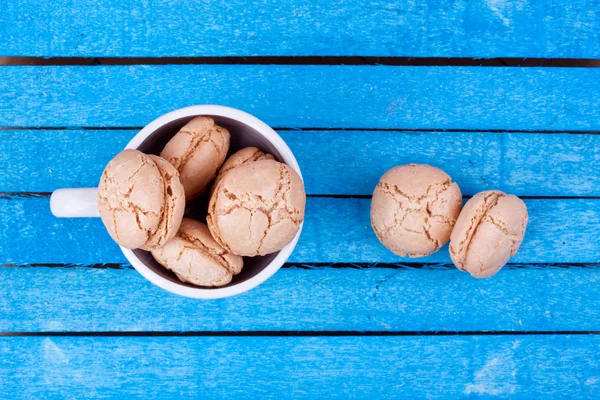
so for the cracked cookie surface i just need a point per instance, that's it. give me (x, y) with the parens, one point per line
(173, 208)
(140, 200)
(414, 209)
(257, 208)
(488, 233)
(197, 151)
(131, 198)
(195, 257)
(244, 156)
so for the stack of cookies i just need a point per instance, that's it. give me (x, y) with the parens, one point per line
(256, 203)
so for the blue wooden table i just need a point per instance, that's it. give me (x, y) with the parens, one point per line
(354, 87)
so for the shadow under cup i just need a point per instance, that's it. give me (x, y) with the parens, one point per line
(241, 136)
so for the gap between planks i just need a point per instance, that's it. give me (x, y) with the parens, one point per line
(288, 129)
(306, 60)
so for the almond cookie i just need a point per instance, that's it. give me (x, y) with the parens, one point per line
(414, 208)
(195, 257)
(140, 200)
(242, 157)
(257, 208)
(488, 233)
(197, 152)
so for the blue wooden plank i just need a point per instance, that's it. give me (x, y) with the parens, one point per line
(307, 96)
(342, 298)
(335, 230)
(113, 28)
(301, 367)
(337, 162)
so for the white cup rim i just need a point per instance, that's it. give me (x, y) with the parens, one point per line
(288, 157)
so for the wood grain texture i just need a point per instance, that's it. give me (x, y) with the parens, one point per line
(307, 367)
(335, 230)
(307, 96)
(524, 164)
(486, 29)
(376, 299)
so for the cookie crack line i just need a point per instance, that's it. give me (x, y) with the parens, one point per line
(444, 185)
(145, 162)
(207, 251)
(397, 222)
(392, 189)
(263, 210)
(218, 160)
(219, 148)
(197, 140)
(265, 233)
(387, 189)
(110, 175)
(180, 254)
(415, 204)
(139, 224)
(248, 202)
(476, 223)
(256, 156)
(444, 219)
(285, 196)
(127, 207)
(115, 226)
(152, 231)
(165, 211)
(504, 229)
(280, 196)
(212, 225)
(498, 224)
(430, 238)
(131, 207)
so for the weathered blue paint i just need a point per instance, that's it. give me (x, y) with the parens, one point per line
(307, 96)
(486, 29)
(318, 298)
(338, 297)
(335, 230)
(526, 164)
(301, 368)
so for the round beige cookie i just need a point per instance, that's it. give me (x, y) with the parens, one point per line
(488, 233)
(195, 257)
(257, 209)
(414, 208)
(244, 156)
(197, 152)
(140, 200)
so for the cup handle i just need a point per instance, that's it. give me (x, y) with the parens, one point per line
(75, 203)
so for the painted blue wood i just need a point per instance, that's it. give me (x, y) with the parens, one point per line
(307, 96)
(337, 162)
(335, 230)
(436, 298)
(113, 28)
(521, 367)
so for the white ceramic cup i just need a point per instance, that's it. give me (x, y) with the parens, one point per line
(245, 130)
